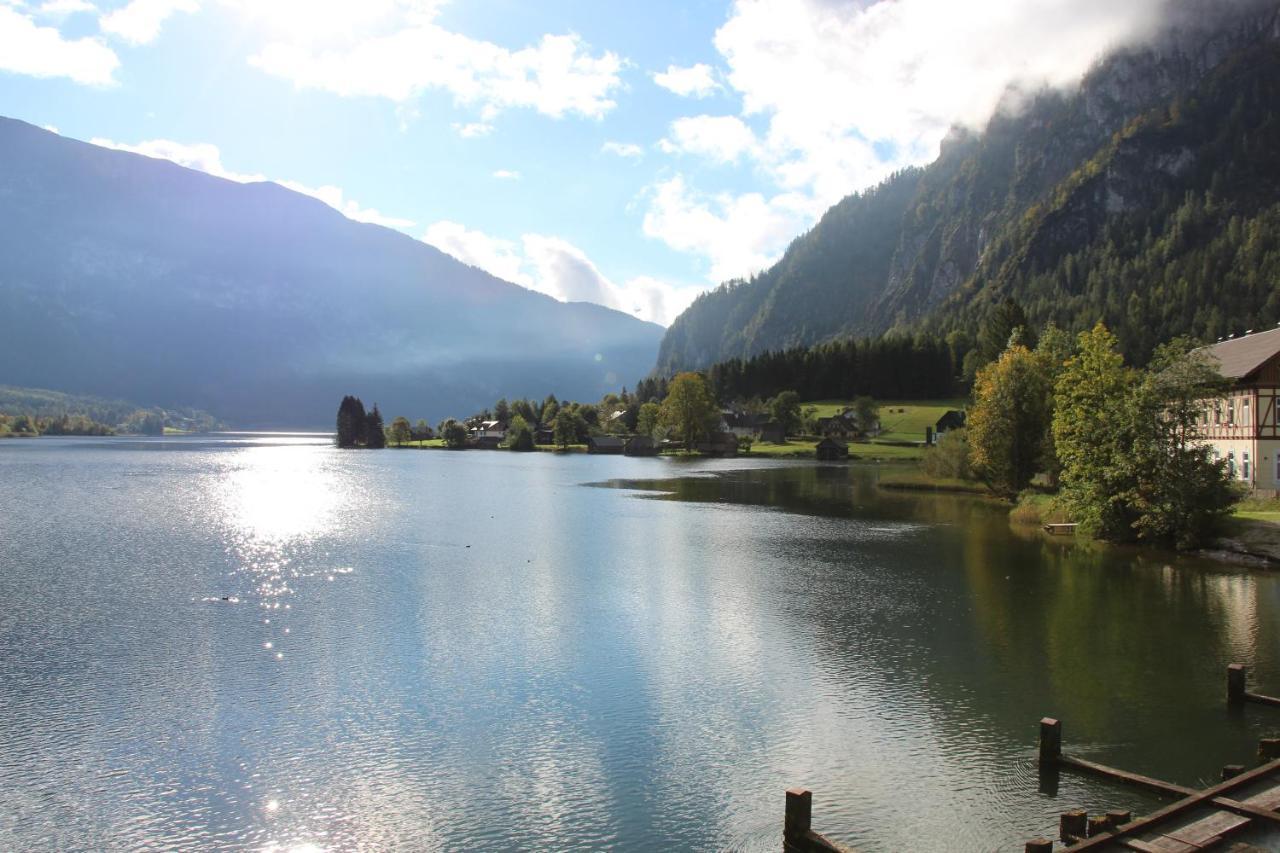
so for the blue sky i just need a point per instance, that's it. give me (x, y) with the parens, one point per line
(623, 153)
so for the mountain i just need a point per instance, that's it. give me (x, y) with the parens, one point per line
(126, 276)
(1148, 197)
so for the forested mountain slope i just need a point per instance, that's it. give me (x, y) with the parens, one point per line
(1149, 197)
(125, 276)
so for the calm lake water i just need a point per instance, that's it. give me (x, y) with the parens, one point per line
(498, 651)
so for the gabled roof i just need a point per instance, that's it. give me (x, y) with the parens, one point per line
(1239, 357)
(606, 441)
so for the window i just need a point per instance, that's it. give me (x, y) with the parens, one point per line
(1231, 463)
(1245, 418)
(1244, 466)
(1231, 412)
(1217, 413)
(1278, 468)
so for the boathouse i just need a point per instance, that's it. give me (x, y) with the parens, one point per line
(605, 444)
(640, 445)
(1241, 427)
(831, 450)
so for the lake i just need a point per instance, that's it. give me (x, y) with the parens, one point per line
(261, 642)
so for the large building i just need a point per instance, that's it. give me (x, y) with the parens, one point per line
(1242, 427)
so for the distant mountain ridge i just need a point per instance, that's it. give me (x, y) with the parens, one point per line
(1149, 198)
(126, 276)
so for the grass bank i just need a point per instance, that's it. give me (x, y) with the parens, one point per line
(900, 420)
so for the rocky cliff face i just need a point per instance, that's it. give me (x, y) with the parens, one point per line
(1043, 182)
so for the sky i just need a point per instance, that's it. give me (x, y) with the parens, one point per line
(630, 154)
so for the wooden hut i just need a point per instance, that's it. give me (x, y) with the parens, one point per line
(605, 444)
(640, 445)
(831, 450)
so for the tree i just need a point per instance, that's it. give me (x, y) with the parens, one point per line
(1004, 321)
(1007, 424)
(866, 412)
(374, 437)
(421, 430)
(1181, 494)
(144, 422)
(647, 419)
(568, 425)
(689, 410)
(550, 408)
(1094, 433)
(351, 419)
(502, 411)
(519, 434)
(785, 409)
(400, 431)
(454, 434)
(949, 458)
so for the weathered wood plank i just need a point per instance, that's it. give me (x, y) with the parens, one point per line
(1137, 779)
(1209, 829)
(1153, 822)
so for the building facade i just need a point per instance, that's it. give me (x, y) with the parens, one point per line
(1243, 428)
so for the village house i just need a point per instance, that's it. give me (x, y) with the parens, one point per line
(1242, 427)
(489, 429)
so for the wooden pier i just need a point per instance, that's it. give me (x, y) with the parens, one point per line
(1212, 818)
(1199, 819)
(797, 827)
(1061, 528)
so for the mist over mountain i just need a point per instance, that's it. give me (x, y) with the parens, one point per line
(1148, 197)
(126, 276)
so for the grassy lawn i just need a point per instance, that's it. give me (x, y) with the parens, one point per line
(800, 449)
(430, 442)
(790, 450)
(1259, 509)
(902, 420)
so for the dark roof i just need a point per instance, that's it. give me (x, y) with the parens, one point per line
(606, 441)
(951, 419)
(831, 442)
(1239, 357)
(641, 441)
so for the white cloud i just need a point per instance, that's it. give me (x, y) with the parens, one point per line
(206, 157)
(139, 21)
(27, 48)
(697, 81)
(846, 93)
(835, 79)
(722, 138)
(738, 234)
(628, 150)
(403, 53)
(471, 130)
(556, 267)
(507, 175)
(64, 8)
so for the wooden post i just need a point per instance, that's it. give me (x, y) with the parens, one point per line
(1235, 684)
(1119, 817)
(1268, 749)
(1230, 770)
(1039, 845)
(1073, 825)
(1050, 740)
(1098, 824)
(799, 814)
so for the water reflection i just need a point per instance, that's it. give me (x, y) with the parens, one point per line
(504, 659)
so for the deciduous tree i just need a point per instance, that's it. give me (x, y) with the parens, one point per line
(689, 411)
